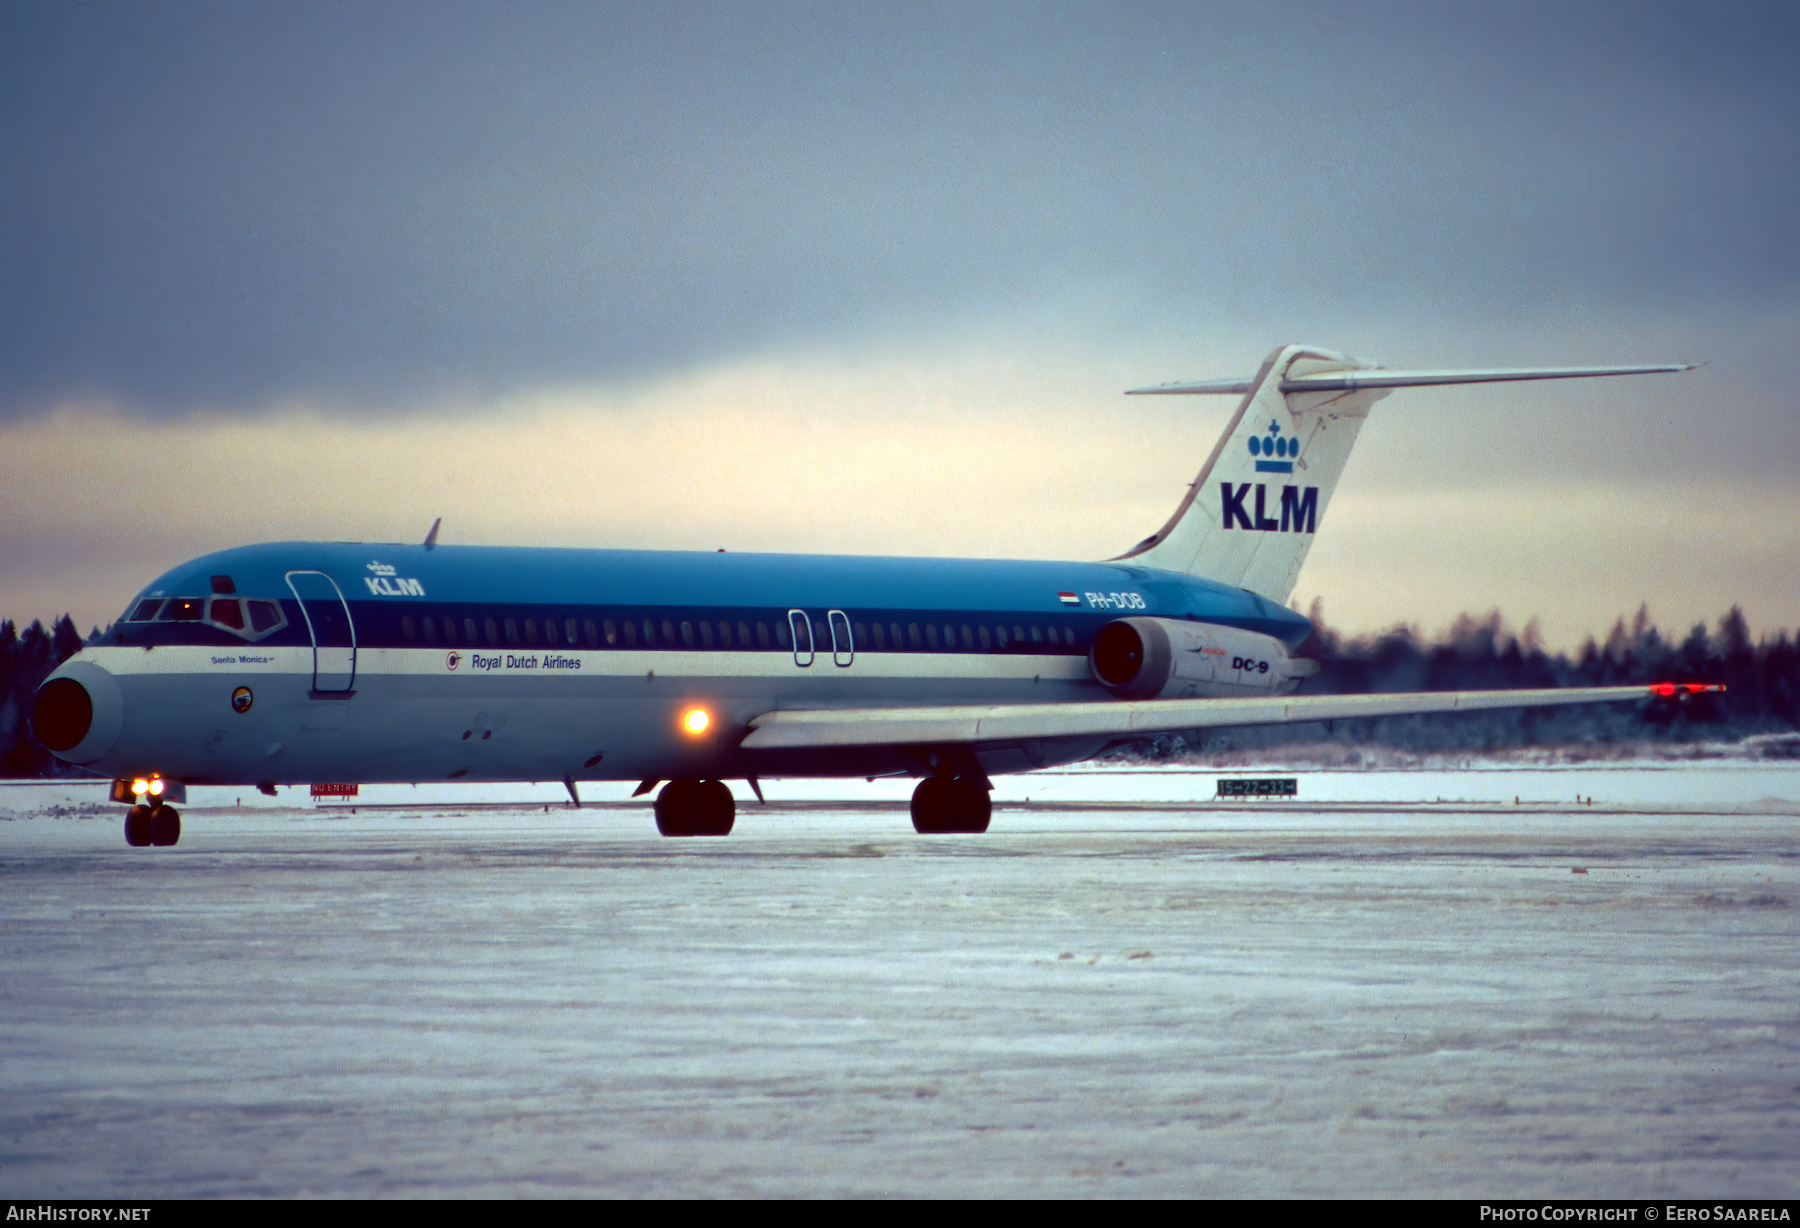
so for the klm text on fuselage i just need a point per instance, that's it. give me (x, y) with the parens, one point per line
(1299, 508)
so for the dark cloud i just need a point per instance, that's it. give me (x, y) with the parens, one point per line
(228, 204)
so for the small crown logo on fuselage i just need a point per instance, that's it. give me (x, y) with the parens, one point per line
(1274, 452)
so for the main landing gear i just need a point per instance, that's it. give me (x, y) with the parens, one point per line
(943, 804)
(146, 825)
(695, 808)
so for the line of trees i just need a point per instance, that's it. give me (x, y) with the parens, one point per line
(1762, 696)
(26, 659)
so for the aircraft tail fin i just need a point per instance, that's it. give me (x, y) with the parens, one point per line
(1250, 517)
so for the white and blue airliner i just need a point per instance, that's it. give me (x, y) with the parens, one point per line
(309, 662)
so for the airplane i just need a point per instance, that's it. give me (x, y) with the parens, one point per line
(298, 662)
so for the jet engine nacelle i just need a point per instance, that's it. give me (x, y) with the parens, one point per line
(1163, 658)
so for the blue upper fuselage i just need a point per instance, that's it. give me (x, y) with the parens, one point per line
(392, 588)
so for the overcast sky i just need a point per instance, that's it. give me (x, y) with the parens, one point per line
(871, 279)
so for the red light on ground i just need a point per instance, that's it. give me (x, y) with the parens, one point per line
(1671, 689)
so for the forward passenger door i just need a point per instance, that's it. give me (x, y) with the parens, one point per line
(333, 634)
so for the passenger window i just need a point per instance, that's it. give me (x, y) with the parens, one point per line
(512, 631)
(493, 632)
(821, 633)
(862, 636)
(531, 630)
(781, 634)
(430, 629)
(1018, 635)
(228, 613)
(631, 634)
(1037, 635)
(1069, 636)
(880, 639)
(590, 632)
(550, 631)
(743, 634)
(706, 639)
(668, 632)
(724, 634)
(409, 630)
(146, 610)
(450, 631)
(931, 636)
(762, 634)
(968, 640)
(912, 635)
(987, 641)
(569, 633)
(687, 634)
(612, 631)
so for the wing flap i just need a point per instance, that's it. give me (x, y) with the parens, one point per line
(796, 729)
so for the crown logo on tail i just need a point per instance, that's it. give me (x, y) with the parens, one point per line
(1274, 451)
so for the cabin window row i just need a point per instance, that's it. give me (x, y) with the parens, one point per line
(495, 631)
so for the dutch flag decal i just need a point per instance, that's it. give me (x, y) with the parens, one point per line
(1068, 598)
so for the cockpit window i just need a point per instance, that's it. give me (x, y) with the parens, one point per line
(228, 613)
(225, 613)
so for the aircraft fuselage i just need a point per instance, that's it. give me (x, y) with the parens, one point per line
(304, 662)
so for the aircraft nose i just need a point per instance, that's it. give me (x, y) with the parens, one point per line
(62, 714)
(79, 712)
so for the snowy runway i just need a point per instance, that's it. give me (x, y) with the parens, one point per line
(1124, 992)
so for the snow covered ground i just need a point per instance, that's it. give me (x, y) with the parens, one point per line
(1404, 982)
(1652, 783)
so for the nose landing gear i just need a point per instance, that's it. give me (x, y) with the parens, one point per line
(147, 825)
(151, 820)
(695, 808)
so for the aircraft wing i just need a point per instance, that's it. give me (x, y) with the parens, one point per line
(790, 729)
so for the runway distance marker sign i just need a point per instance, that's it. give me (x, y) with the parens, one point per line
(1259, 786)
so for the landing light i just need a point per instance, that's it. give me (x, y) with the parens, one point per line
(140, 786)
(696, 721)
(156, 788)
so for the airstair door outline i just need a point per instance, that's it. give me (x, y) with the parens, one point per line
(843, 648)
(801, 626)
(333, 633)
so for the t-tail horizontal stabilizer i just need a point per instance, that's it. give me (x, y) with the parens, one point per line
(1379, 378)
(1250, 517)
